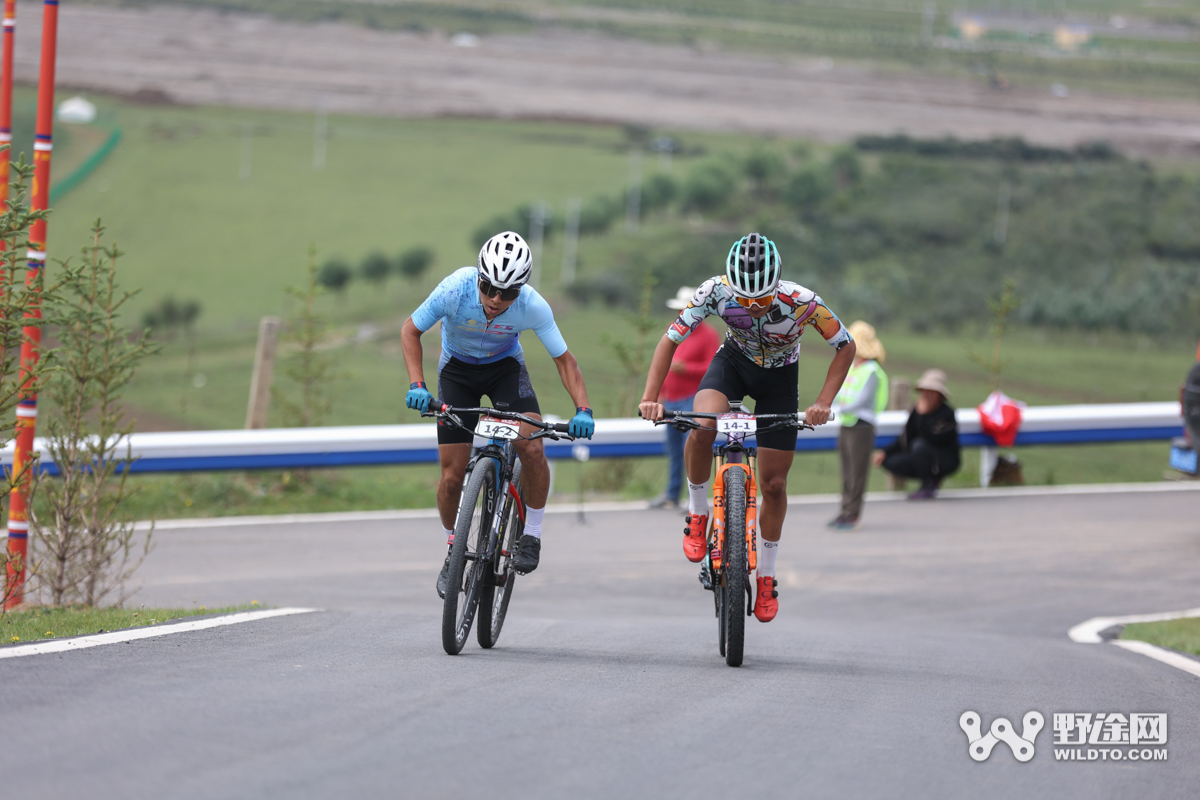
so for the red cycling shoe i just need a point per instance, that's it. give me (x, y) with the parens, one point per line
(695, 537)
(766, 600)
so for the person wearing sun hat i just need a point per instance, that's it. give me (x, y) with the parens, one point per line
(928, 447)
(862, 397)
(688, 366)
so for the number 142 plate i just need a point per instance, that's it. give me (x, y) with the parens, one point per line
(741, 424)
(492, 428)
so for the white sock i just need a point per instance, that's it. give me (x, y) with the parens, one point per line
(533, 521)
(698, 498)
(449, 536)
(767, 552)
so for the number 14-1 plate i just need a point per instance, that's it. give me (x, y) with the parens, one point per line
(737, 424)
(492, 428)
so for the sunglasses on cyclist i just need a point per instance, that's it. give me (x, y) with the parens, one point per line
(756, 302)
(507, 295)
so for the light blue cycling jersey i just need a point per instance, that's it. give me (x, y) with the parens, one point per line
(466, 332)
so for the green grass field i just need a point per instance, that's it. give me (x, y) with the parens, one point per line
(48, 622)
(171, 196)
(1176, 634)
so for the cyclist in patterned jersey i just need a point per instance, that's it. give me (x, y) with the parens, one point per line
(766, 318)
(483, 310)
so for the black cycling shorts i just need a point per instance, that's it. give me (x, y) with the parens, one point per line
(505, 382)
(775, 390)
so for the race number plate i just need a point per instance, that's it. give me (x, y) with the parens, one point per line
(737, 424)
(492, 428)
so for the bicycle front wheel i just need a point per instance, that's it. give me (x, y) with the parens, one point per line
(471, 532)
(736, 566)
(498, 581)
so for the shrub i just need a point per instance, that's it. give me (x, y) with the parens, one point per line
(807, 189)
(658, 192)
(414, 261)
(598, 214)
(709, 185)
(86, 548)
(171, 314)
(375, 268)
(334, 275)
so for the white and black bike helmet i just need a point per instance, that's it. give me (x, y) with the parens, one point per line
(505, 261)
(753, 266)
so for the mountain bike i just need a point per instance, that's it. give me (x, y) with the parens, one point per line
(732, 541)
(491, 518)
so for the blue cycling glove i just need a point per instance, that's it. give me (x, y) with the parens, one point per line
(418, 397)
(582, 426)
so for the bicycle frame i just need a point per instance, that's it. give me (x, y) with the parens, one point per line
(504, 492)
(480, 569)
(719, 572)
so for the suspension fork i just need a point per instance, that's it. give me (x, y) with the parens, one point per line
(716, 526)
(752, 512)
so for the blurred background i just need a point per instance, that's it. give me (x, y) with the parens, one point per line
(909, 157)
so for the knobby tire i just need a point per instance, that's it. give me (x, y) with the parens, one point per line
(471, 533)
(735, 566)
(493, 600)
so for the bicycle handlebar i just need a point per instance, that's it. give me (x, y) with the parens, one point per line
(548, 429)
(672, 416)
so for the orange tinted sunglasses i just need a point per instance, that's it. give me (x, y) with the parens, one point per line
(755, 302)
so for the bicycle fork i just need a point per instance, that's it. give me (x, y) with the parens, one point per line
(717, 530)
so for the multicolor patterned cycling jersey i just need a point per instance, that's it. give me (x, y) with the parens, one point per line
(773, 340)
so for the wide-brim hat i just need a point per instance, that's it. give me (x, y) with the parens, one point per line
(682, 298)
(867, 344)
(934, 380)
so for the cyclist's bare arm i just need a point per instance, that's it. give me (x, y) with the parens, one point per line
(410, 344)
(572, 379)
(660, 364)
(818, 412)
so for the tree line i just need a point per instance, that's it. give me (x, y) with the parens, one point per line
(924, 232)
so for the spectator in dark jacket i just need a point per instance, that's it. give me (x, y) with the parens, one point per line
(1189, 399)
(928, 448)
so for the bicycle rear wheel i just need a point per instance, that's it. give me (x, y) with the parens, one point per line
(467, 567)
(735, 566)
(498, 581)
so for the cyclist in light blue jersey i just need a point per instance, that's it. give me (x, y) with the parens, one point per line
(483, 310)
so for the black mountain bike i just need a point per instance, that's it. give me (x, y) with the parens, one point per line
(491, 518)
(732, 540)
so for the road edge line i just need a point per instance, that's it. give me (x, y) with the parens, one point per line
(133, 634)
(1088, 632)
(640, 505)
(1160, 654)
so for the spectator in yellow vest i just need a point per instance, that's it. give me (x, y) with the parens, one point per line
(863, 395)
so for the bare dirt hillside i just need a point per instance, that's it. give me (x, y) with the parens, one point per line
(205, 57)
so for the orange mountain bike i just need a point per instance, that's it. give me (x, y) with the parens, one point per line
(732, 540)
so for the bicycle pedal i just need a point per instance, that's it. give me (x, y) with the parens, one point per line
(706, 577)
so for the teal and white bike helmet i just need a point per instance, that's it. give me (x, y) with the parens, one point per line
(505, 260)
(753, 267)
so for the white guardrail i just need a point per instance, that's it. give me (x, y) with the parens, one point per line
(291, 448)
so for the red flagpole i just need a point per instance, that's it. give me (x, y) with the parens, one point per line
(18, 520)
(6, 86)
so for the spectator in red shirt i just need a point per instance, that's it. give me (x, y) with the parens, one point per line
(688, 366)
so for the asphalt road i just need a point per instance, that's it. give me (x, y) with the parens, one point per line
(606, 681)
